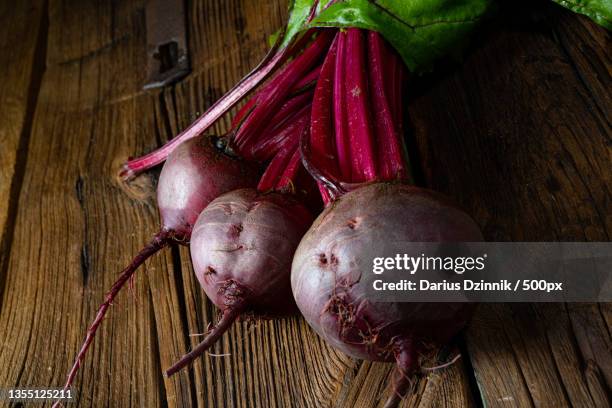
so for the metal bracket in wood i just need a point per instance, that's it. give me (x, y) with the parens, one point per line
(168, 60)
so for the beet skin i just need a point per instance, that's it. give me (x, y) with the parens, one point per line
(328, 266)
(241, 248)
(194, 174)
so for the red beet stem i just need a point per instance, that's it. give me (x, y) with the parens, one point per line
(293, 105)
(281, 119)
(325, 194)
(279, 137)
(406, 361)
(218, 109)
(227, 319)
(299, 88)
(243, 112)
(340, 118)
(392, 165)
(358, 109)
(288, 178)
(329, 185)
(321, 137)
(280, 86)
(159, 241)
(276, 167)
(307, 81)
(395, 75)
(395, 78)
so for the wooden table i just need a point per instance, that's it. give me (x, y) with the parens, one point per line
(519, 134)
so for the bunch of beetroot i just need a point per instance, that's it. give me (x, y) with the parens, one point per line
(326, 125)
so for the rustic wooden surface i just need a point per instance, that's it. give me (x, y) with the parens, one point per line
(519, 135)
(20, 74)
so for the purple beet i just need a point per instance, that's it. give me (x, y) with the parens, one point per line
(194, 174)
(241, 248)
(328, 266)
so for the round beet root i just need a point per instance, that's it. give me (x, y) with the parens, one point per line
(241, 248)
(329, 263)
(194, 174)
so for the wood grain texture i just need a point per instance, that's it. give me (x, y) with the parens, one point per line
(523, 142)
(518, 135)
(20, 70)
(75, 228)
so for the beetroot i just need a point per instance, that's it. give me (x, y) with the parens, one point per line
(241, 249)
(328, 267)
(195, 173)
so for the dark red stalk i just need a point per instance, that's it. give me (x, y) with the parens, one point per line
(321, 137)
(325, 194)
(287, 179)
(159, 241)
(279, 136)
(301, 86)
(307, 81)
(363, 162)
(220, 107)
(243, 112)
(317, 147)
(390, 150)
(394, 78)
(276, 167)
(280, 119)
(394, 84)
(280, 87)
(340, 117)
(372, 102)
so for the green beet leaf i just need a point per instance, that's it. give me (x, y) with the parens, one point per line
(420, 30)
(599, 10)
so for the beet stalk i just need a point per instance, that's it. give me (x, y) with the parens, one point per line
(281, 120)
(321, 141)
(390, 146)
(340, 115)
(359, 121)
(133, 167)
(279, 136)
(280, 87)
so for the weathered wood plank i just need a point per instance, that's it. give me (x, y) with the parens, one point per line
(523, 142)
(20, 71)
(76, 228)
